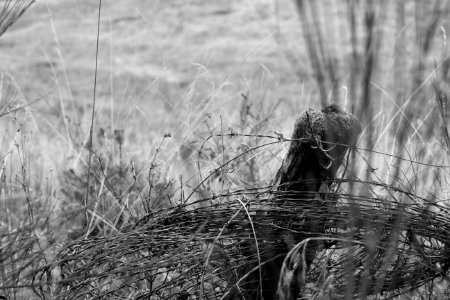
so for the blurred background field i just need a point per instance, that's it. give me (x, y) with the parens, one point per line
(171, 74)
(155, 58)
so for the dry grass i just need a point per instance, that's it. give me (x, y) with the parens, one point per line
(182, 150)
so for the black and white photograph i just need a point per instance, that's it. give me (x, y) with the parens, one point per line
(224, 149)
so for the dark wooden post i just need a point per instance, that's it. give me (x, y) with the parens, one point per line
(321, 140)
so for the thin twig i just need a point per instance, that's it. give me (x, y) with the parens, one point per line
(86, 198)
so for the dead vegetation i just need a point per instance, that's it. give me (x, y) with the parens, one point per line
(336, 224)
(10, 11)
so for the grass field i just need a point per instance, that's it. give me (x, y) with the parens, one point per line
(177, 82)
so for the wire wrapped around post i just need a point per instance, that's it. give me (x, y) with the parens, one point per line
(319, 143)
(321, 140)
